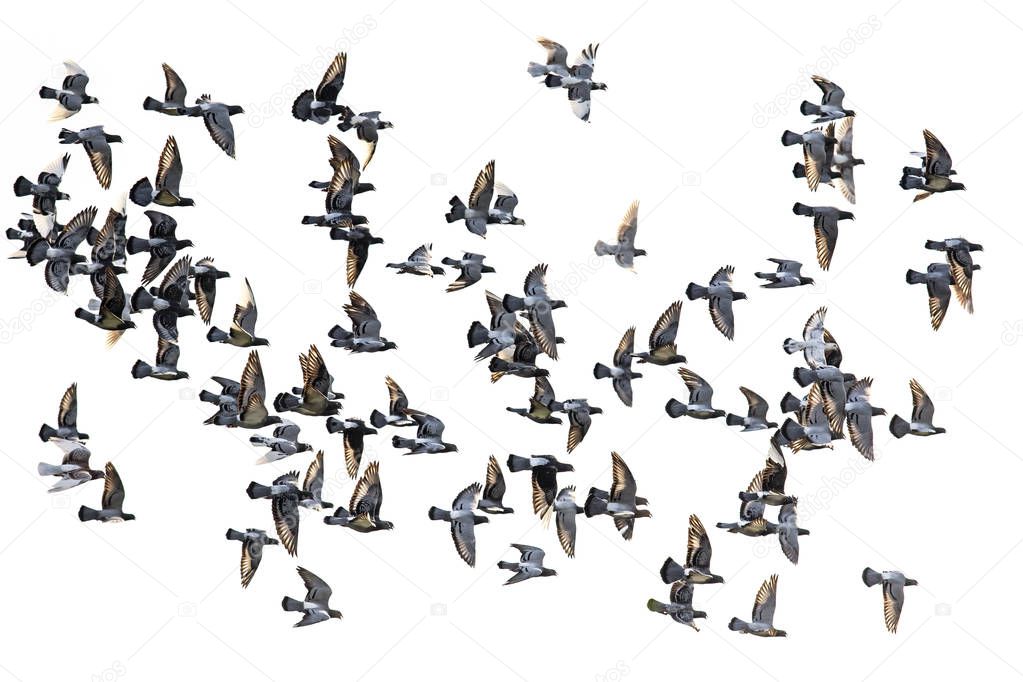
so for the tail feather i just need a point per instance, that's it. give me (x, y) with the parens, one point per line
(22, 186)
(809, 109)
(792, 430)
(802, 209)
(675, 409)
(911, 182)
(233, 534)
(457, 211)
(377, 419)
(871, 577)
(508, 565)
(87, 513)
(898, 426)
(601, 248)
(790, 403)
(436, 514)
(791, 346)
(150, 104)
(478, 334)
(512, 303)
(803, 376)
(914, 277)
(256, 491)
(217, 334)
(136, 245)
(799, 170)
(535, 70)
(142, 192)
(671, 571)
(601, 371)
(516, 463)
(289, 604)
(339, 333)
(789, 138)
(552, 81)
(47, 93)
(734, 420)
(141, 299)
(736, 625)
(141, 369)
(695, 291)
(595, 506)
(45, 469)
(36, 251)
(284, 402)
(302, 108)
(46, 432)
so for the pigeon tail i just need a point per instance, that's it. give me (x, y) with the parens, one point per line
(66, 136)
(346, 114)
(602, 248)
(802, 209)
(792, 346)
(285, 402)
(45, 469)
(255, 491)
(477, 334)
(789, 138)
(695, 291)
(302, 109)
(934, 245)
(809, 109)
(517, 463)
(289, 604)
(339, 333)
(457, 211)
(436, 514)
(47, 93)
(22, 186)
(671, 571)
(142, 192)
(799, 170)
(141, 369)
(512, 303)
(595, 506)
(209, 397)
(233, 534)
(734, 420)
(536, 70)
(601, 371)
(911, 182)
(141, 299)
(792, 430)
(150, 104)
(136, 245)
(552, 81)
(675, 409)
(46, 432)
(87, 513)
(914, 277)
(508, 565)
(216, 334)
(790, 403)
(36, 251)
(871, 577)
(400, 442)
(803, 376)
(737, 625)
(898, 426)
(340, 517)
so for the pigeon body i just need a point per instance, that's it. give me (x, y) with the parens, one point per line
(621, 502)
(624, 249)
(922, 420)
(253, 541)
(719, 295)
(316, 605)
(892, 584)
(96, 143)
(364, 336)
(112, 502)
(832, 102)
(756, 415)
(679, 606)
(785, 276)
(243, 324)
(620, 373)
(167, 189)
(699, 404)
(363, 512)
(825, 229)
(71, 94)
(529, 565)
(462, 521)
(762, 622)
(73, 469)
(173, 102)
(696, 570)
(320, 104)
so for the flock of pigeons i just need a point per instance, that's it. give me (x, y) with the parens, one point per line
(521, 328)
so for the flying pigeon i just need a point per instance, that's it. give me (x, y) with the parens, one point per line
(353, 432)
(679, 606)
(340, 154)
(813, 430)
(696, 570)
(462, 521)
(960, 264)
(831, 106)
(363, 513)
(364, 336)
(253, 541)
(756, 414)
(312, 486)
(578, 411)
(936, 173)
(818, 150)
(842, 158)
(316, 605)
(699, 403)
(283, 443)
(169, 301)
(938, 279)
(166, 363)
(621, 503)
(540, 405)
(97, 145)
(204, 275)
(492, 501)
(892, 586)
(397, 408)
(788, 531)
(537, 307)
(285, 497)
(251, 412)
(113, 500)
(73, 469)
(167, 191)
(624, 250)
(565, 511)
(578, 78)
(529, 565)
(662, 339)
(162, 244)
(61, 256)
(316, 391)
(544, 470)
(762, 622)
(720, 295)
(504, 330)
(319, 105)
(818, 345)
(768, 485)
(71, 94)
(217, 117)
(429, 434)
(173, 103)
(67, 419)
(45, 191)
(621, 373)
(505, 203)
(471, 270)
(921, 421)
(108, 249)
(787, 275)
(338, 199)
(825, 228)
(858, 412)
(418, 263)
(359, 240)
(477, 213)
(367, 125)
(114, 310)
(243, 325)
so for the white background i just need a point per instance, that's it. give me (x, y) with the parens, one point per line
(678, 129)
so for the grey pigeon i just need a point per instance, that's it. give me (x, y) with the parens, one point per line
(621, 373)
(936, 173)
(960, 263)
(817, 345)
(463, 521)
(541, 405)
(825, 229)
(312, 486)
(662, 339)
(67, 419)
(61, 254)
(285, 497)
(359, 240)
(537, 307)
(832, 102)
(858, 412)
(251, 410)
(173, 103)
(788, 531)
(768, 485)
(204, 275)
(97, 145)
(699, 404)
(719, 295)
(363, 512)
(892, 586)
(108, 249)
(169, 301)
(317, 390)
(471, 270)
(565, 511)
(217, 117)
(165, 367)
(283, 443)
(756, 414)
(253, 541)
(544, 470)
(518, 360)
(503, 332)
(167, 191)
(818, 150)
(319, 105)
(73, 469)
(833, 391)
(786, 275)
(397, 408)
(338, 199)
(353, 432)
(364, 336)
(112, 501)
(71, 94)
(751, 521)
(418, 263)
(557, 57)
(492, 501)
(45, 191)
(367, 125)
(114, 310)
(922, 420)
(578, 411)
(529, 565)
(316, 605)
(243, 324)
(340, 155)
(843, 160)
(696, 570)
(624, 249)
(621, 502)
(938, 280)
(577, 79)
(429, 435)
(813, 430)
(476, 212)
(762, 622)
(162, 244)
(679, 606)
(505, 203)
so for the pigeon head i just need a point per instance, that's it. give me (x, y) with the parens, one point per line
(188, 202)
(131, 517)
(599, 86)
(956, 185)
(450, 447)
(260, 342)
(385, 124)
(114, 138)
(385, 525)
(232, 110)
(183, 243)
(806, 280)
(558, 304)
(596, 410)
(846, 215)
(389, 345)
(273, 420)
(89, 99)
(738, 296)
(545, 572)
(639, 252)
